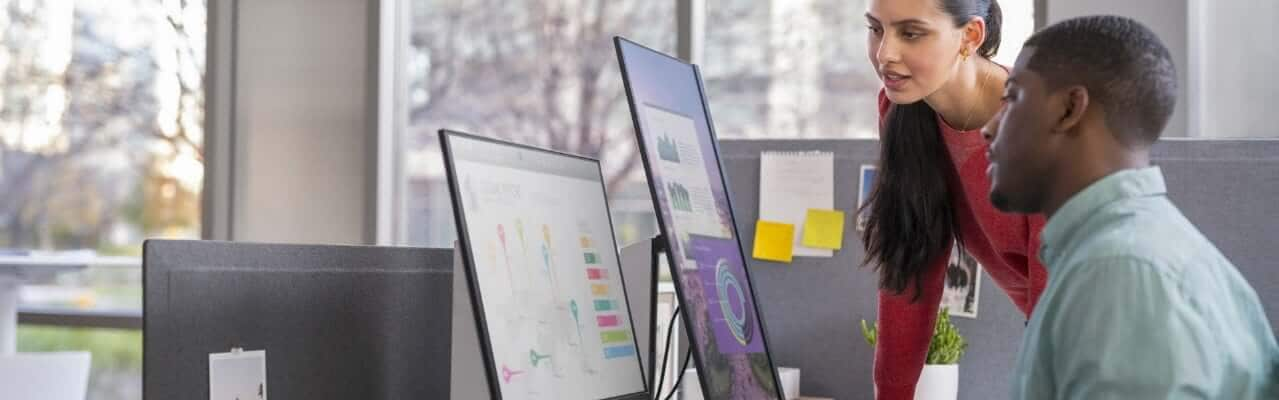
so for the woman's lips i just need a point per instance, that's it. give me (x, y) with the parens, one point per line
(894, 81)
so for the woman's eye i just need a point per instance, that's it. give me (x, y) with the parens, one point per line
(912, 35)
(875, 29)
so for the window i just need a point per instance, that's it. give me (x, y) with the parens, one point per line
(542, 73)
(798, 68)
(101, 113)
(1231, 86)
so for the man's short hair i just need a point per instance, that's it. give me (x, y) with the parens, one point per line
(1123, 65)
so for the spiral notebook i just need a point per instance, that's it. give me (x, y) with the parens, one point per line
(790, 183)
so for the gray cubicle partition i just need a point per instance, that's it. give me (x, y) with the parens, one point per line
(337, 322)
(813, 306)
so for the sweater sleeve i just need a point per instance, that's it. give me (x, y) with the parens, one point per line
(905, 329)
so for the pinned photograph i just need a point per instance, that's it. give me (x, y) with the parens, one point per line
(963, 283)
(866, 185)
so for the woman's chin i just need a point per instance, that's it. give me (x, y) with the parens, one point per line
(902, 96)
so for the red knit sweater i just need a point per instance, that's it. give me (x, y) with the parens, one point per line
(1006, 245)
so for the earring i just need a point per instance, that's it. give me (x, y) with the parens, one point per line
(964, 52)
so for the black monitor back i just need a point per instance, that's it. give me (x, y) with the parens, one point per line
(337, 322)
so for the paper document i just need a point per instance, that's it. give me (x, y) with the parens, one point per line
(791, 183)
(237, 375)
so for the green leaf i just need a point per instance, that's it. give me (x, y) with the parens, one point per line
(870, 333)
(947, 345)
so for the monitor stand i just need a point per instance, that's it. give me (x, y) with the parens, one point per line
(640, 263)
(466, 372)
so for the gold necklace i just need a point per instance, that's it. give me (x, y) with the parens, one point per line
(981, 83)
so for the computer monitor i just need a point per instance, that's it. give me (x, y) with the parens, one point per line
(679, 152)
(336, 322)
(542, 268)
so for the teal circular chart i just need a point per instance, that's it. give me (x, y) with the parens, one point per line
(732, 303)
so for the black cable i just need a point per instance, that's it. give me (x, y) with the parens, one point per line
(675, 389)
(661, 377)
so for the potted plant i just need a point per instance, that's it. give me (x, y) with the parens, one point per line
(939, 379)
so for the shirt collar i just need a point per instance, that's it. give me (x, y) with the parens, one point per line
(1125, 184)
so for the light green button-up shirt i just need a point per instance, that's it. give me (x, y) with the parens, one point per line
(1140, 305)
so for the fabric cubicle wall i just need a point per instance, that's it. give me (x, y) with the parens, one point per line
(813, 307)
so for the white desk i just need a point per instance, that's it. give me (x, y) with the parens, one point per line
(17, 270)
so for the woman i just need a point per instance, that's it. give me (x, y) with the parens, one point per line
(940, 88)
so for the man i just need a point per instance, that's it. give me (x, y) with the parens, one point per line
(1139, 304)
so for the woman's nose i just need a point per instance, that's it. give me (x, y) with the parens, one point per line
(888, 52)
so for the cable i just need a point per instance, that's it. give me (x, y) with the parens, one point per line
(675, 388)
(661, 377)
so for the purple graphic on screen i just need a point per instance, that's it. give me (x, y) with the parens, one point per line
(732, 316)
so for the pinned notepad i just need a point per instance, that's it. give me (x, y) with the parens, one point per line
(824, 229)
(773, 241)
(791, 183)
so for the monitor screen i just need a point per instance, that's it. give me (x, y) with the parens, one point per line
(696, 219)
(543, 271)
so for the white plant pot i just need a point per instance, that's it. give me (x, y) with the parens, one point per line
(938, 382)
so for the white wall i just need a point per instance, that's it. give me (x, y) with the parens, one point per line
(291, 115)
(1234, 86)
(1168, 18)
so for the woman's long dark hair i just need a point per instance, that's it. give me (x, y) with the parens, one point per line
(911, 220)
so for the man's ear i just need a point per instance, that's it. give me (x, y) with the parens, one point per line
(1072, 104)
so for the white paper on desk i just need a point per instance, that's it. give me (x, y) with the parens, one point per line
(45, 376)
(790, 183)
(237, 375)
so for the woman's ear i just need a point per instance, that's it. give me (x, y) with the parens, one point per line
(974, 34)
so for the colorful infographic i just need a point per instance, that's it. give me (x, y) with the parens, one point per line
(687, 187)
(723, 282)
(548, 274)
(717, 293)
(673, 127)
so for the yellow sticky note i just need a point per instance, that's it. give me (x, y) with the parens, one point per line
(599, 290)
(824, 229)
(774, 241)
